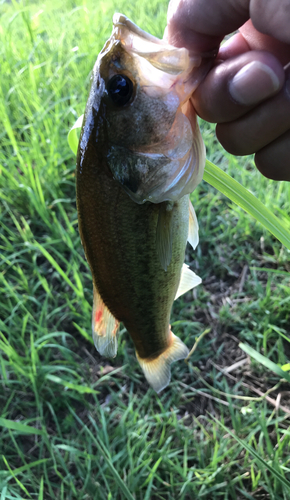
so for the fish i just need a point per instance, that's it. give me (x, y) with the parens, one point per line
(140, 155)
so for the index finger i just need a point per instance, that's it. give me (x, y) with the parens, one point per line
(203, 24)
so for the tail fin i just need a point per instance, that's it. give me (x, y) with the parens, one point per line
(157, 371)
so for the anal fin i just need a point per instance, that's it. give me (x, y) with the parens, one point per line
(157, 370)
(193, 227)
(164, 233)
(188, 280)
(104, 327)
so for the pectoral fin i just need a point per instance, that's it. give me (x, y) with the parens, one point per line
(164, 234)
(193, 227)
(188, 280)
(157, 370)
(105, 328)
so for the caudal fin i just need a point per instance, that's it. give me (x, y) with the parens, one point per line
(157, 371)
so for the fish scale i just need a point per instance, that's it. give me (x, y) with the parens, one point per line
(133, 178)
(120, 245)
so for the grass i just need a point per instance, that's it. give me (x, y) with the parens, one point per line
(77, 426)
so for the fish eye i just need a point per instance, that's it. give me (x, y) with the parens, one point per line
(120, 89)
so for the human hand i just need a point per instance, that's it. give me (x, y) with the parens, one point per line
(247, 90)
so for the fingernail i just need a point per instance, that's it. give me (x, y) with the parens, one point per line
(253, 83)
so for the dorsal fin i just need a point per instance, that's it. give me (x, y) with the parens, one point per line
(164, 233)
(188, 280)
(104, 327)
(193, 227)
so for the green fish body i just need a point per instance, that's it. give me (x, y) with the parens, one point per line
(133, 179)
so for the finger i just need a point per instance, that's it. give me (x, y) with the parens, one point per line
(264, 124)
(233, 47)
(260, 41)
(200, 25)
(233, 87)
(272, 18)
(273, 160)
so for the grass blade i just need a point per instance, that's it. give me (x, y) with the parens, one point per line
(268, 270)
(265, 361)
(82, 389)
(57, 268)
(3, 493)
(40, 496)
(26, 467)
(72, 137)
(84, 333)
(260, 460)
(15, 478)
(17, 426)
(246, 200)
(103, 450)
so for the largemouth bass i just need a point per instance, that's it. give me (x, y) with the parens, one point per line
(140, 155)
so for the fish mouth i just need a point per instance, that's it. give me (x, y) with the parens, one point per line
(161, 55)
(119, 21)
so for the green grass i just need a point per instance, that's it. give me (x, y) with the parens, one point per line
(74, 425)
